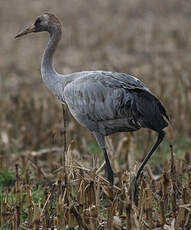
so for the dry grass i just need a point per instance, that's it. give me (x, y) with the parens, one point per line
(41, 190)
(44, 194)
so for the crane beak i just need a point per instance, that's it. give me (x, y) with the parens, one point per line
(28, 30)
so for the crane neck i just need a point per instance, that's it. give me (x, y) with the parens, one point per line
(49, 75)
(47, 66)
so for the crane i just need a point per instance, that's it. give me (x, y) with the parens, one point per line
(102, 101)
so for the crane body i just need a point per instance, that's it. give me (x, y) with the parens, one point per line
(102, 101)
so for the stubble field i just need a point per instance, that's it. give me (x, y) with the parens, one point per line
(45, 184)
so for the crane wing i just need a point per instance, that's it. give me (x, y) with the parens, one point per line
(101, 95)
(122, 80)
(105, 96)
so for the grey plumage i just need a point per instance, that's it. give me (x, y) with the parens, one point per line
(104, 102)
(107, 102)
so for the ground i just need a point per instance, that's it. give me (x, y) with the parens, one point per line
(148, 39)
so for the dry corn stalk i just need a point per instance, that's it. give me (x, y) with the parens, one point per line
(29, 203)
(17, 186)
(148, 206)
(90, 196)
(59, 212)
(128, 215)
(111, 212)
(36, 217)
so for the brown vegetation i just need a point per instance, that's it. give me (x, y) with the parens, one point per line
(148, 39)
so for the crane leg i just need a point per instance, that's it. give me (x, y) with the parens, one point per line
(161, 136)
(101, 141)
(109, 168)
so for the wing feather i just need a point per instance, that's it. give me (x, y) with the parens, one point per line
(100, 96)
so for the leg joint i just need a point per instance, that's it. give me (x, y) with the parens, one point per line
(162, 134)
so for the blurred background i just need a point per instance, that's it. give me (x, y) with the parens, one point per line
(148, 39)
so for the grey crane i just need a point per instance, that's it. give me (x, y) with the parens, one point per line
(102, 101)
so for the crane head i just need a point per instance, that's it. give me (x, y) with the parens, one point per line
(46, 22)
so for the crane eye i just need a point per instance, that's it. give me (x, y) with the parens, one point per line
(38, 21)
